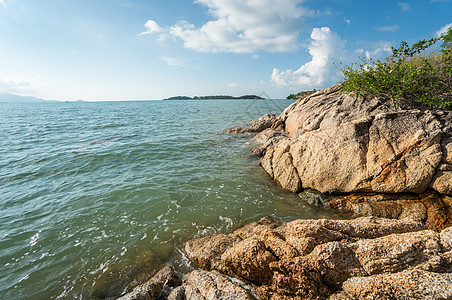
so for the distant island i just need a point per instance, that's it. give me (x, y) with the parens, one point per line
(300, 95)
(216, 97)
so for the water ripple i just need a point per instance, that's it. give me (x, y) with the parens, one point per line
(80, 218)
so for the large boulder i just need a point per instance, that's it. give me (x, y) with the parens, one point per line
(340, 143)
(328, 108)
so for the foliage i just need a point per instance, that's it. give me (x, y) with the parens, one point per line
(302, 94)
(409, 78)
(447, 39)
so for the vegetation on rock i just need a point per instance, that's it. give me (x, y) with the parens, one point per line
(410, 78)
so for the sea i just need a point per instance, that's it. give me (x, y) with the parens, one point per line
(96, 196)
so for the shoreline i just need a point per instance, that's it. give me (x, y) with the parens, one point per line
(401, 229)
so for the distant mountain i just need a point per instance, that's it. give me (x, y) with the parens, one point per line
(216, 97)
(11, 98)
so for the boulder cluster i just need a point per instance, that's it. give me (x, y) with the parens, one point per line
(392, 170)
(364, 258)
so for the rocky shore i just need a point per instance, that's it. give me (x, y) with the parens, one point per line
(392, 170)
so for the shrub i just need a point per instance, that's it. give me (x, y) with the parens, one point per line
(409, 78)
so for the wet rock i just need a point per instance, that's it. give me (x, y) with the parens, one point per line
(123, 277)
(238, 129)
(158, 287)
(259, 152)
(266, 135)
(210, 286)
(283, 168)
(206, 252)
(258, 125)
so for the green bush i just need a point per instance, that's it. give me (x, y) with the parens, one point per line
(409, 78)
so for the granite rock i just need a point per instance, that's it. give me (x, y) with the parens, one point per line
(317, 259)
(206, 285)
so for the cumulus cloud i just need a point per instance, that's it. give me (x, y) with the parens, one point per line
(151, 27)
(241, 26)
(2, 2)
(325, 48)
(404, 7)
(232, 85)
(387, 28)
(347, 21)
(443, 29)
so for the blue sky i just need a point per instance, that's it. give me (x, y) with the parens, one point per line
(153, 49)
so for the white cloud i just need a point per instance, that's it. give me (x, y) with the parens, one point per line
(325, 48)
(151, 27)
(173, 61)
(347, 21)
(404, 6)
(255, 56)
(242, 26)
(433, 1)
(387, 28)
(380, 49)
(21, 84)
(2, 2)
(359, 51)
(443, 29)
(232, 85)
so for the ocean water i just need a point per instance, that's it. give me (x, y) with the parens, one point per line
(94, 197)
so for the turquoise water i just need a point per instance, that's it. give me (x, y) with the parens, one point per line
(96, 196)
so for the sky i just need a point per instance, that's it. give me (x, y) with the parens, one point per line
(154, 49)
